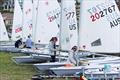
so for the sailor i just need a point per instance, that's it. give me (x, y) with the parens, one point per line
(52, 48)
(73, 56)
(18, 43)
(28, 42)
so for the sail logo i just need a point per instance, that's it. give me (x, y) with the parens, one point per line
(18, 29)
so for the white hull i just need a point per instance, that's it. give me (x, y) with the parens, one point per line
(66, 71)
(26, 59)
(7, 43)
(10, 49)
(91, 64)
(35, 56)
(111, 74)
(46, 66)
(93, 69)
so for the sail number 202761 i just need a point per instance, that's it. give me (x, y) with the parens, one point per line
(102, 13)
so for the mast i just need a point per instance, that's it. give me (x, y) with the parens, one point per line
(60, 24)
(35, 15)
(22, 18)
(60, 28)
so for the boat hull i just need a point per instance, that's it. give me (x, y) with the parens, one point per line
(26, 59)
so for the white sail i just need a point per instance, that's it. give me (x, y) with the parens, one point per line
(69, 23)
(46, 28)
(3, 31)
(17, 22)
(35, 8)
(99, 26)
(27, 18)
(54, 15)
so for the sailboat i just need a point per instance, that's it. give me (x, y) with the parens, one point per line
(26, 25)
(68, 33)
(16, 29)
(99, 21)
(42, 34)
(3, 31)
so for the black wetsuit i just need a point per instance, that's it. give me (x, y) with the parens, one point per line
(53, 57)
(18, 43)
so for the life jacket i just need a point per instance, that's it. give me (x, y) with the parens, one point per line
(82, 78)
(68, 65)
